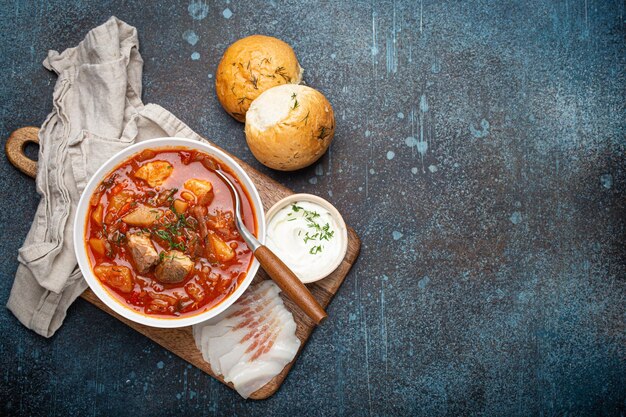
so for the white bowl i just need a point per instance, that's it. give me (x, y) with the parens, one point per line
(81, 218)
(342, 232)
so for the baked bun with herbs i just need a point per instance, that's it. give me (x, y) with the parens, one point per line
(289, 127)
(249, 67)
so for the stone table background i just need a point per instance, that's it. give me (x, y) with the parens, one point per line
(479, 153)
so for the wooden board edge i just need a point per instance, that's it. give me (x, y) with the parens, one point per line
(14, 149)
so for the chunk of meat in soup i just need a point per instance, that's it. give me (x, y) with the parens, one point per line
(143, 252)
(174, 267)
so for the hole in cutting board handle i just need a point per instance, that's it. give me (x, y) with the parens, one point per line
(15, 149)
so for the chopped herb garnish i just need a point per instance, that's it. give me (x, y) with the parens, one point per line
(308, 237)
(170, 196)
(318, 232)
(316, 249)
(323, 133)
(283, 73)
(168, 236)
(295, 104)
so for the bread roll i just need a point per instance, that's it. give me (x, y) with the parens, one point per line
(289, 127)
(249, 67)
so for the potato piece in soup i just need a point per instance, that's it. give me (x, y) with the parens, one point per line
(201, 188)
(222, 251)
(154, 173)
(119, 277)
(142, 216)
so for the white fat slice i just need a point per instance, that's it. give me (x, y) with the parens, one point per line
(250, 375)
(233, 340)
(251, 341)
(227, 335)
(245, 348)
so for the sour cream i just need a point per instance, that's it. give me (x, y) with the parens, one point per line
(307, 238)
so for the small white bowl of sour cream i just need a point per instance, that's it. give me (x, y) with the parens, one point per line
(308, 234)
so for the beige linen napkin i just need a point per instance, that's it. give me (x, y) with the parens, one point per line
(97, 112)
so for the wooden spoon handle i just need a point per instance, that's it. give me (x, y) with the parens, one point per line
(290, 284)
(15, 149)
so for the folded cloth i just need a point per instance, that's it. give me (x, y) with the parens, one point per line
(97, 112)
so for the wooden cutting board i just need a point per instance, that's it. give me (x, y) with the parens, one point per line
(180, 341)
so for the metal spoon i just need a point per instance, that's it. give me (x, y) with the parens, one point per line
(275, 268)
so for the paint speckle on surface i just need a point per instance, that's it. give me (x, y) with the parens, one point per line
(432, 168)
(422, 147)
(423, 282)
(160, 364)
(483, 132)
(400, 115)
(313, 180)
(606, 180)
(191, 37)
(198, 9)
(396, 235)
(411, 141)
(516, 217)
(210, 75)
(227, 13)
(333, 55)
(414, 170)
(195, 56)
(390, 155)
(423, 104)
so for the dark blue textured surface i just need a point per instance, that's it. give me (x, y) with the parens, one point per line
(480, 154)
